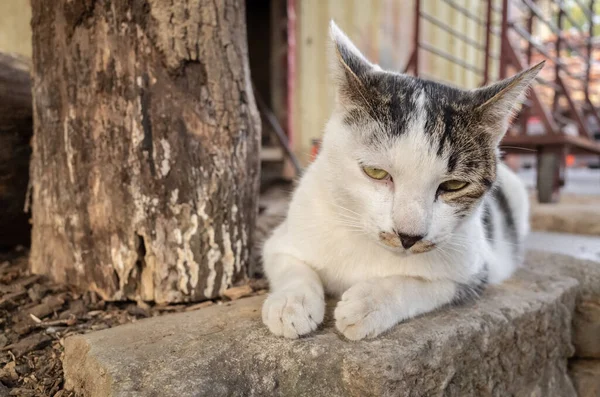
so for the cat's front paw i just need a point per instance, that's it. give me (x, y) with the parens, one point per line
(294, 312)
(364, 311)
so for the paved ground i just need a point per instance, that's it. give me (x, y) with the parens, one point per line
(582, 247)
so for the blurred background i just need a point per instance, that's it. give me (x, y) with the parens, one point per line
(554, 141)
(553, 144)
(465, 43)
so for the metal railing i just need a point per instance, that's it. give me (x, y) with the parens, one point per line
(421, 45)
(565, 100)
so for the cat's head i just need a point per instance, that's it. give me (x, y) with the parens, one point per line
(408, 160)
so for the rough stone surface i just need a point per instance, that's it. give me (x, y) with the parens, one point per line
(514, 341)
(586, 321)
(586, 327)
(586, 377)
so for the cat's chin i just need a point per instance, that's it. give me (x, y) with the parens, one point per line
(395, 250)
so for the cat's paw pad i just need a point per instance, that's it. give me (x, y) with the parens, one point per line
(294, 312)
(363, 312)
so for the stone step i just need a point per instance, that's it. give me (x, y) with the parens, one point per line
(515, 340)
(573, 214)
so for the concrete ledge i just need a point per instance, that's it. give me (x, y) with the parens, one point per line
(586, 319)
(514, 341)
(573, 214)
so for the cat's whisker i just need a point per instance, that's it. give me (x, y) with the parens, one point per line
(350, 213)
(336, 222)
(456, 244)
(444, 254)
(359, 232)
(455, 249)
(357, 225)
(344, 223)
(348, 224)
(342, 216)
(462, 246)
(343, 208)
(346, 216)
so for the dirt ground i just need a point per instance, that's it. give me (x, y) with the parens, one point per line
(36, 315)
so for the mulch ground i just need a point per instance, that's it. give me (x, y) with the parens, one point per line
(36, 315)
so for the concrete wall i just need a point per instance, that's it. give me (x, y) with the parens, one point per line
(15, 27)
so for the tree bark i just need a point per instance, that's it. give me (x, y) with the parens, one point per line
(16, 128)
(145, 152)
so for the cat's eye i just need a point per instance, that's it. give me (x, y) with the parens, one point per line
(453, 185)
(375, 173)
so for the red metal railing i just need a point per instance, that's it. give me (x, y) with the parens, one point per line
(414, 62)
(565, 102)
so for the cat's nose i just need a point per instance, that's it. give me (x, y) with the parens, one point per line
(408, 241)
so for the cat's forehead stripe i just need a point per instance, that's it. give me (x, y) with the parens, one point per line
(389, 105)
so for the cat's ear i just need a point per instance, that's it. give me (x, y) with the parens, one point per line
(348, 65)
(497, 103)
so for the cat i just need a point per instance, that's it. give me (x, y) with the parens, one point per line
(406, 209)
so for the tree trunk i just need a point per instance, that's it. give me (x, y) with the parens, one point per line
(145, 155)
(16, 128)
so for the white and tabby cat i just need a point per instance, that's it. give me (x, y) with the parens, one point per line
(407, 207)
